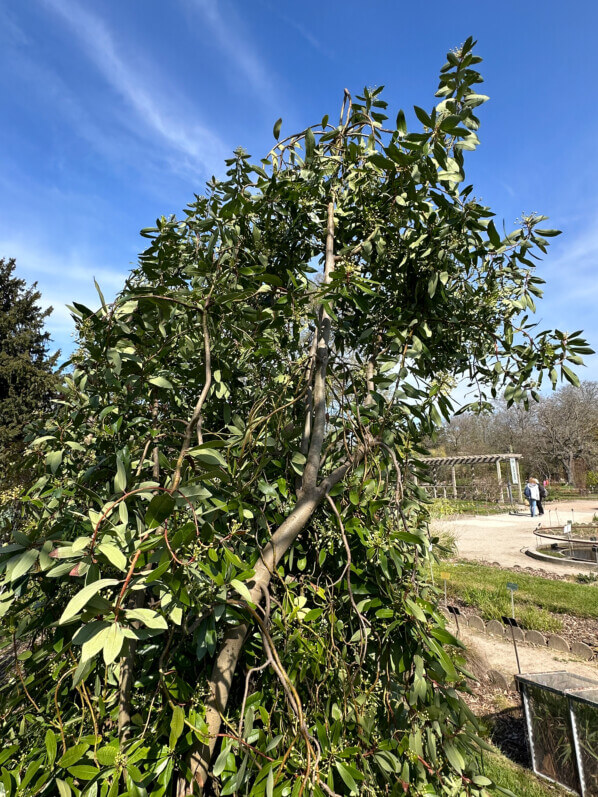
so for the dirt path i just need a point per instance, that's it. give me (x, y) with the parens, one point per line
(501, 656)
(503, 538)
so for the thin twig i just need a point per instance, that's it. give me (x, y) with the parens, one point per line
(196, 417)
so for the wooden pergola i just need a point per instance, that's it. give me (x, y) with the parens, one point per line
(481, 459)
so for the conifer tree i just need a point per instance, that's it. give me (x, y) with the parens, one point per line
(27, 377)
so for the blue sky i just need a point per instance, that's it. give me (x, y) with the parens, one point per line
(117, 112)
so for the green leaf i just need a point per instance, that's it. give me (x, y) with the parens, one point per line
(493, 234)
(80, 600)
(432, 283)
(113, 554)
(107, 755)
(454, 757)
(570, 375)
(148, 617)
(423, 116)
(547, 233)
(177, 724)
(63, 788)
(100, 294)
(401, 123)
(113, 643)
(310, 144)
(160, 507)
(277, 126)
(120, 480)
(220, 762)
(91, 637)
(161, 381)
(51, 747)
(346, 776)
(73, 755)
(241, 589)
(53, 460)
(209, 456)
(23, 563)
(84, 771)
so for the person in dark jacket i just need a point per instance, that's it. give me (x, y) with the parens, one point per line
(543, 496)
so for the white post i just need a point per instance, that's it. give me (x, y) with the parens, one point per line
(519, 485)
(499, 474)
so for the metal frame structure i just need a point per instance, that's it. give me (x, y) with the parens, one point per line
(479, 459)
(573, 690)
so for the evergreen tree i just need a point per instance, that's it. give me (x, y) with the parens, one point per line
(27, 376)
(220, 585)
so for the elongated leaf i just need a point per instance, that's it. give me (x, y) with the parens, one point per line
(161, 381)
(113, 643)
(493, 234)
(100, 294)
(220, 762)
(148, 617)
(401, 123)
(91, 637)
(277, 126)
(570, 375)
(79, 601)
(177, 724)
(120, 480)
(346, 776)
(63, 788)
(310, 144)
(23, 563)
(209, 456)
(113, 554)
(51, 747)
(84, 771)
(241, 589)
(73, 755)
(53, 460)
(160, 507)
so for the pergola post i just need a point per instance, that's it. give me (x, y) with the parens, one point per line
(519, 484)
(499, 474)
(454, 480)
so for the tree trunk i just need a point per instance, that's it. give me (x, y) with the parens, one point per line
(309, 497)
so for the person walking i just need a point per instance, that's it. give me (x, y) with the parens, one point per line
(543, 494)
(532, 493)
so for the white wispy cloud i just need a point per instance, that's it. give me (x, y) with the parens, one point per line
(164, 114)
(239, 50)
(10, 32)
(73, 267)
(63, 276)
(301, 29)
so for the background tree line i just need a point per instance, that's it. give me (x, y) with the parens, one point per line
(557, 436)
(28, 376)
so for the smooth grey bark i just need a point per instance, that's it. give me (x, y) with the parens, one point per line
(309, 496)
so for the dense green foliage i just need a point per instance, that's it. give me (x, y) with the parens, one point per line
(27, 380)
(222, 580)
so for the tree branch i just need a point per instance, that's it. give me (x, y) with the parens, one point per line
(196, 417)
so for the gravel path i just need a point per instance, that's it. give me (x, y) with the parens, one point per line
(503, 538)
(501, 656)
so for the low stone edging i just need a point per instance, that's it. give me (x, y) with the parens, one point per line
(531, 637)
(544, 557)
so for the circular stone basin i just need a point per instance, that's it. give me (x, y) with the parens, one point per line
(577, 553)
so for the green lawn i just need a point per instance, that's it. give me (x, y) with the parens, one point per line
(447, 507)
(536, 601)
(515, 779)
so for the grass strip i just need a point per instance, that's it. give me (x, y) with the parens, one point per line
(486, 588)
(517, 780)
